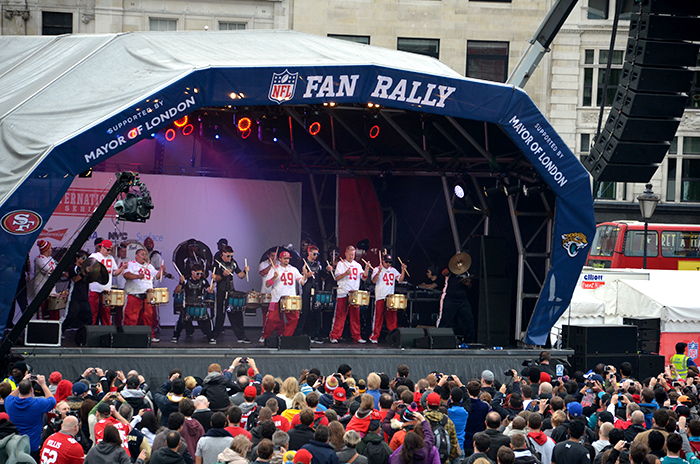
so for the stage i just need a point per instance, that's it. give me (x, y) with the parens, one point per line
(193, 356)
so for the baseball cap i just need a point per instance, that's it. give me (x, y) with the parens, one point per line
(331, 383)
(106, 243)
(285, 254)
(103, 408)
(374, 424)
(251, 372)
(575, 409)
(132, 382)
(250, 392)
(79, 388)
(545, 377)
(433, 399)
(302, 457)
(388, 258)
(55, 377)
(606, 416)
(487, 375)
(683, 410)
(4, 417)
(339, 394)
(289, 456)
(682, 399)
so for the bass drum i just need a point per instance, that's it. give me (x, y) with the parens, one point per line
(132, 246)
(193, 250)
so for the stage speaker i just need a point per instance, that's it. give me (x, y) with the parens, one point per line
(587, 362)
(404, 337)
(600, 339)
(132, 336)
(651, 95)
(437, 339)
(494, 318)
(272, 342)
(43, 333)
(91, 335)
(301, 342)
(650, 365)
(643, 323)
(494, 249)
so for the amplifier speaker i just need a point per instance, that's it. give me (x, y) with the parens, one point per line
(651, 79)
(629, 151)
(272, 342)
(646, 346)
(498, 312)
(437, 339)
(650, 365)
(494, 249)
(43, 333)
(672, 7)
(404, 337)
(600, 339)
(132, 336)
(91, 335)
(587, 362)
(300, 342)
(651, 335)
(643, 323)
(652, 26)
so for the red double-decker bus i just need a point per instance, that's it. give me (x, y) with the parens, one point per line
(620, 244)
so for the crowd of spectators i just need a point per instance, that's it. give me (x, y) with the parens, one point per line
(238, 415)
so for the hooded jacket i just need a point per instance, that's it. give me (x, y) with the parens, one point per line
(542, 444)
(228, 456)
(106, 453)
(249, 420)
(136, 399)
(167, 456)
(426, 455)
(191, 432)
(299, 436)
(434, 417)
(525, 457)
(217, 388)
(360, 421)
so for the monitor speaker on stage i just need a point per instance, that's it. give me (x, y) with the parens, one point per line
(652, 92)
(300, 342)
(91, 335)
(43, 333)
(132, 336)
(437, 339)
(404, 337)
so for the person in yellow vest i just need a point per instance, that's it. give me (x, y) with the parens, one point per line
(681, 363)
(19, 370)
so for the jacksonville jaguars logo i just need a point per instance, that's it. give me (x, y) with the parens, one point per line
(573, 243)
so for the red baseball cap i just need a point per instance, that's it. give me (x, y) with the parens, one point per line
(55, 377)
(545, 377)
(250, 392)
(285, 254)
(106, 243)
(302, 457)
(433, 399)
(339, 394)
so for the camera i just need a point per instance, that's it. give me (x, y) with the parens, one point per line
(33, 377)
(244, 360)
(589, 383)
(450, 378)
(508, 373)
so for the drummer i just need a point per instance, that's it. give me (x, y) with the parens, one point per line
(310, 319)
(194, 287)
(384, 278)
(266, 264)
(347, 275)
(224, 269)
(139, 277)
(282, 281)
(102, 312)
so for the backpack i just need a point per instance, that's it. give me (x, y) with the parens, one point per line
(442, 439)
(376, 453)
(316, 422)
(532, 449)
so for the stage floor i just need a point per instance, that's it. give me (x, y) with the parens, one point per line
(193, 356)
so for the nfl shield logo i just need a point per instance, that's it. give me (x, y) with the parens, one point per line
(283, 86)
(692, 350)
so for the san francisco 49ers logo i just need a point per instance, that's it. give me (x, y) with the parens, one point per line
(21, 222)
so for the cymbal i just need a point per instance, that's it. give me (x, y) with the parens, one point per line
(95, 271)
(460, 263)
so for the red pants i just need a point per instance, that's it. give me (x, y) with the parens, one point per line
(274, 323)
(137, 309)
(379, 315)
(97, 308)
(45, 314)
(341, 312)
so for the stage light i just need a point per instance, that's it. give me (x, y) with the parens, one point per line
(533, 189)
(512, 189)
(153, 135)
(267, 128)
(170, 135)
(331, 104)
(244, 124)
(188, 129)
(314, 128)
(133, 133)
(216, 136)
(274, 139)
(181, 122)
(459, 191)
(374, 131)
(246, 133)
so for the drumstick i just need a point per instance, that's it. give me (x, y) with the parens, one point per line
(246, 272)
(332, 273)
(402, 264)
(307, 265)
(370, 264)
(176, 268)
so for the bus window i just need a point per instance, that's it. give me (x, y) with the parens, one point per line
(634, 243)
(604, 241)
(679, 244)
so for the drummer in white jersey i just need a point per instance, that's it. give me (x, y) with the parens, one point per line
(384, 277)
(347, 275)
(264, 267)
(102, 312)
(282, 280)
(139, 277)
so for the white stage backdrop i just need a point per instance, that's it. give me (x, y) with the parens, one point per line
(253, 215)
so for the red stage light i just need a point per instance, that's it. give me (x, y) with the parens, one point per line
(315, 128)
(374, 131)
(170, 135)
(188, 129)
(244, 124)
(246, 133)
(181, 122)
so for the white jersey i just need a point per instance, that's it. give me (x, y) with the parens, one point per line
(351, 281)
(285, 284)
(386, 283)
(43, 267)
(264, 265)
(111, 264)
(137, 286)
(119, 281)
(156, 259)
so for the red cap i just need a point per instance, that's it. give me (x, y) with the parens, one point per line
(433, 399)
(106, 243)
(250, 392)
(302, 457)
(251, 372)
(43, 245)
(545, 377)
(4, 416)
(55, 377)
(285, 254)
(339, 394)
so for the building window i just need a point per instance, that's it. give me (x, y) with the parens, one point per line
(56, 23)
(683, 170)
(362, 39)
(428, 47)
(585, 143)
(228, 26)
(487, 60)
(604, 9)
(605, 190)
(160, 24)
(594, 72)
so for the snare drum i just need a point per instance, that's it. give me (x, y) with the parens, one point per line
(290, 303)
(358, 298)
(178, 302)
(396, 302)
(113, 298)
(323, 301)
(209, 299)
(57, 303)
(196, 313)
(158, 296)
(266, 299)
(253, 300)
(237, 301)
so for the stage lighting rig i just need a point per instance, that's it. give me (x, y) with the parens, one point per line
(135, 207)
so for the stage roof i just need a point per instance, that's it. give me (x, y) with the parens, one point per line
(69, 102)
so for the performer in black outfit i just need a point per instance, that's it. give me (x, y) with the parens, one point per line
(79, 310)
(195, 287)
(223, 276)
(310, 318)
(193, 257)
(455, 310)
